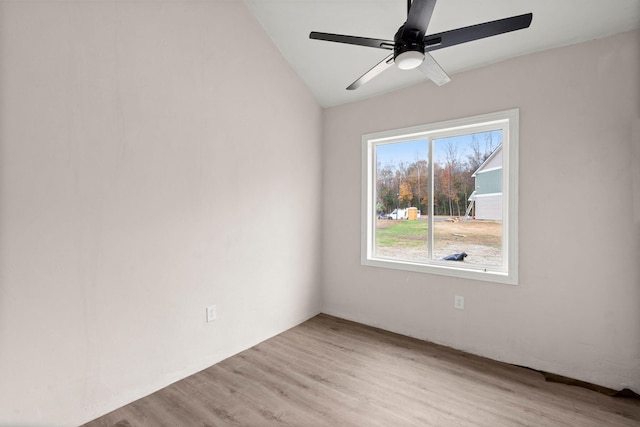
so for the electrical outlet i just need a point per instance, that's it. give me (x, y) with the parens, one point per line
(211, 313)
(458, 302)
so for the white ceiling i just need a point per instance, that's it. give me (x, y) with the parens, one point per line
(328, 68)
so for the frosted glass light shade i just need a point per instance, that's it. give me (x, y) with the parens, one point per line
(409, 60)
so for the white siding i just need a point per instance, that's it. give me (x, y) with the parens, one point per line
(495, 162)
(489, 206)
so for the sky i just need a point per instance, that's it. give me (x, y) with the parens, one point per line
(408, 152)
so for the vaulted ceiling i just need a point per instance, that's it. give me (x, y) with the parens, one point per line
(328, 68)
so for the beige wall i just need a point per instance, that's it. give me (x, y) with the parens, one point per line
(155, 158)
(576, 311)
(147, 170)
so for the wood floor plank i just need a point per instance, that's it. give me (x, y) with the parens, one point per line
(332, 372)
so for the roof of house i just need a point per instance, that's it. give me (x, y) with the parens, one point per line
(488, 161)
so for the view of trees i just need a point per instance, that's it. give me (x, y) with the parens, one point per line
(405, 184)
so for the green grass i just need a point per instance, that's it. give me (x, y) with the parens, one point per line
(412, 234)
(402, 233)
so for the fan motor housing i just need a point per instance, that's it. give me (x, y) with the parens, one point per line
(405, 41)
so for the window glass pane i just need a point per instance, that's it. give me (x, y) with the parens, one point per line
(401, 200)
(467, 202)
(443, 189)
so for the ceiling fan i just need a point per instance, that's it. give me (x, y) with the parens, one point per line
(411, 45)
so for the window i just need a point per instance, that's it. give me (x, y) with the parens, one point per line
(442, 198)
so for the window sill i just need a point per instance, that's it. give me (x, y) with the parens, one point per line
(445, 270)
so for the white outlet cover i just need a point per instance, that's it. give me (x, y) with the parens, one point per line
(458, 302)
(211, 313)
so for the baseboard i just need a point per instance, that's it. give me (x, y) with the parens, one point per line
(555, 378)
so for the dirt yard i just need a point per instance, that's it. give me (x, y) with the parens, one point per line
(481, 240)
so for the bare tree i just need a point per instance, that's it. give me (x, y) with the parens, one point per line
(477, 156)
(451, 157)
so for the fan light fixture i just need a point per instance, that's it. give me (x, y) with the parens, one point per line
(411, 40)
(409, 60)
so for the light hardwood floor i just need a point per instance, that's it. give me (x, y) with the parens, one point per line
(332, 372)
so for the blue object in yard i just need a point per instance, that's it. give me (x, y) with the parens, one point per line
(456, 257)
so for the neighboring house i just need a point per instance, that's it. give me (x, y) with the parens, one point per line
(487, 196)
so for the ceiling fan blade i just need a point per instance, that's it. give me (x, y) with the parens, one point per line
(433, 70)
(379, 68)
(360, 41)
(419, 17)
(476, 32)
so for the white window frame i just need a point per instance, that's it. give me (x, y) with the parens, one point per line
(510, 120)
